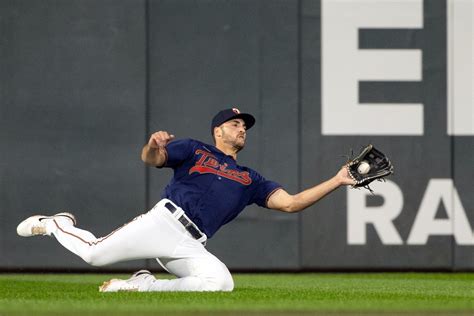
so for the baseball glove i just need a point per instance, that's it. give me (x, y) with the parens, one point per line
(371, 164)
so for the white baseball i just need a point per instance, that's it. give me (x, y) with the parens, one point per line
(363, 167)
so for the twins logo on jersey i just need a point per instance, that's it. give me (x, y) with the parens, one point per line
(209, 164)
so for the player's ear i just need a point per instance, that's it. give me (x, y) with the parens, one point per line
(217, 132)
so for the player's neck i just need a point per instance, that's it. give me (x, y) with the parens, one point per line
(227, 149)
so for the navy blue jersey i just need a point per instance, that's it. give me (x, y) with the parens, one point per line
(210, 186)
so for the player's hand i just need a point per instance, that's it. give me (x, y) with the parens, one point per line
(160, 139)
(344, 178)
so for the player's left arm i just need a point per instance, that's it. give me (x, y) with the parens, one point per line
(281, 200)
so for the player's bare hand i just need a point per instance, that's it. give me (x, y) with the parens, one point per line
(160, 139)
(343, 177)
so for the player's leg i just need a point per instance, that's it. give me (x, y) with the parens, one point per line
(213, 274)
(195, 268)
(151, 235)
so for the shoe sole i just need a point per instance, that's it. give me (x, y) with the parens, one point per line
(23, 231)
(105, 286)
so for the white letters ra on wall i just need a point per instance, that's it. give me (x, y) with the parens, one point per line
(360, 215)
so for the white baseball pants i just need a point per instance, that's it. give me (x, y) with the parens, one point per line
(156, 234)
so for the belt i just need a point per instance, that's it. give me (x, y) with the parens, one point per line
(188, 225)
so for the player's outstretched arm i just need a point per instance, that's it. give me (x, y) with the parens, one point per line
(154, 152)
(283, 201)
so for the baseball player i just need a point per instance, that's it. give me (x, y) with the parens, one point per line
(209, 189)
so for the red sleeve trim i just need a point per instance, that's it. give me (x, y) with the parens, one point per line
(270, 194)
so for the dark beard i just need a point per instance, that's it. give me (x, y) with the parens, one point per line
(238, 147)
(235, 145)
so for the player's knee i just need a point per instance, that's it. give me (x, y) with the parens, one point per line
(94, 259)
(226, 283)
(221, 281)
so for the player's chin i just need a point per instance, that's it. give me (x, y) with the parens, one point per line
(239, 145)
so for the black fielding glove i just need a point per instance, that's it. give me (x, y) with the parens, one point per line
(371, 164)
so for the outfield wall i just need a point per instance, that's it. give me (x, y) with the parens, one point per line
(84, 82)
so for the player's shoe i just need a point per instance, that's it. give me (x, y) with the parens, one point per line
(139, 282)
(36, 225)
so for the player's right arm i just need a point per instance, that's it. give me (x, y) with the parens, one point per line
(281, 200)
(154, 152)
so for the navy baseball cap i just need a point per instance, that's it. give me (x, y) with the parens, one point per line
(229, 114)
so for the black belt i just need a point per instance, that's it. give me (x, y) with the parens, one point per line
(190, 227)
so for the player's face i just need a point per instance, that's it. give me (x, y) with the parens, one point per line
(234, 133)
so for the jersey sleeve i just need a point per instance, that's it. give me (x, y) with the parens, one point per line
(263, 190)
(177, 152)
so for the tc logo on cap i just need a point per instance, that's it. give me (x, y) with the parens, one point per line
(236, 111)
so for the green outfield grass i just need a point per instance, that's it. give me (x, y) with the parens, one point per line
(344, 293)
